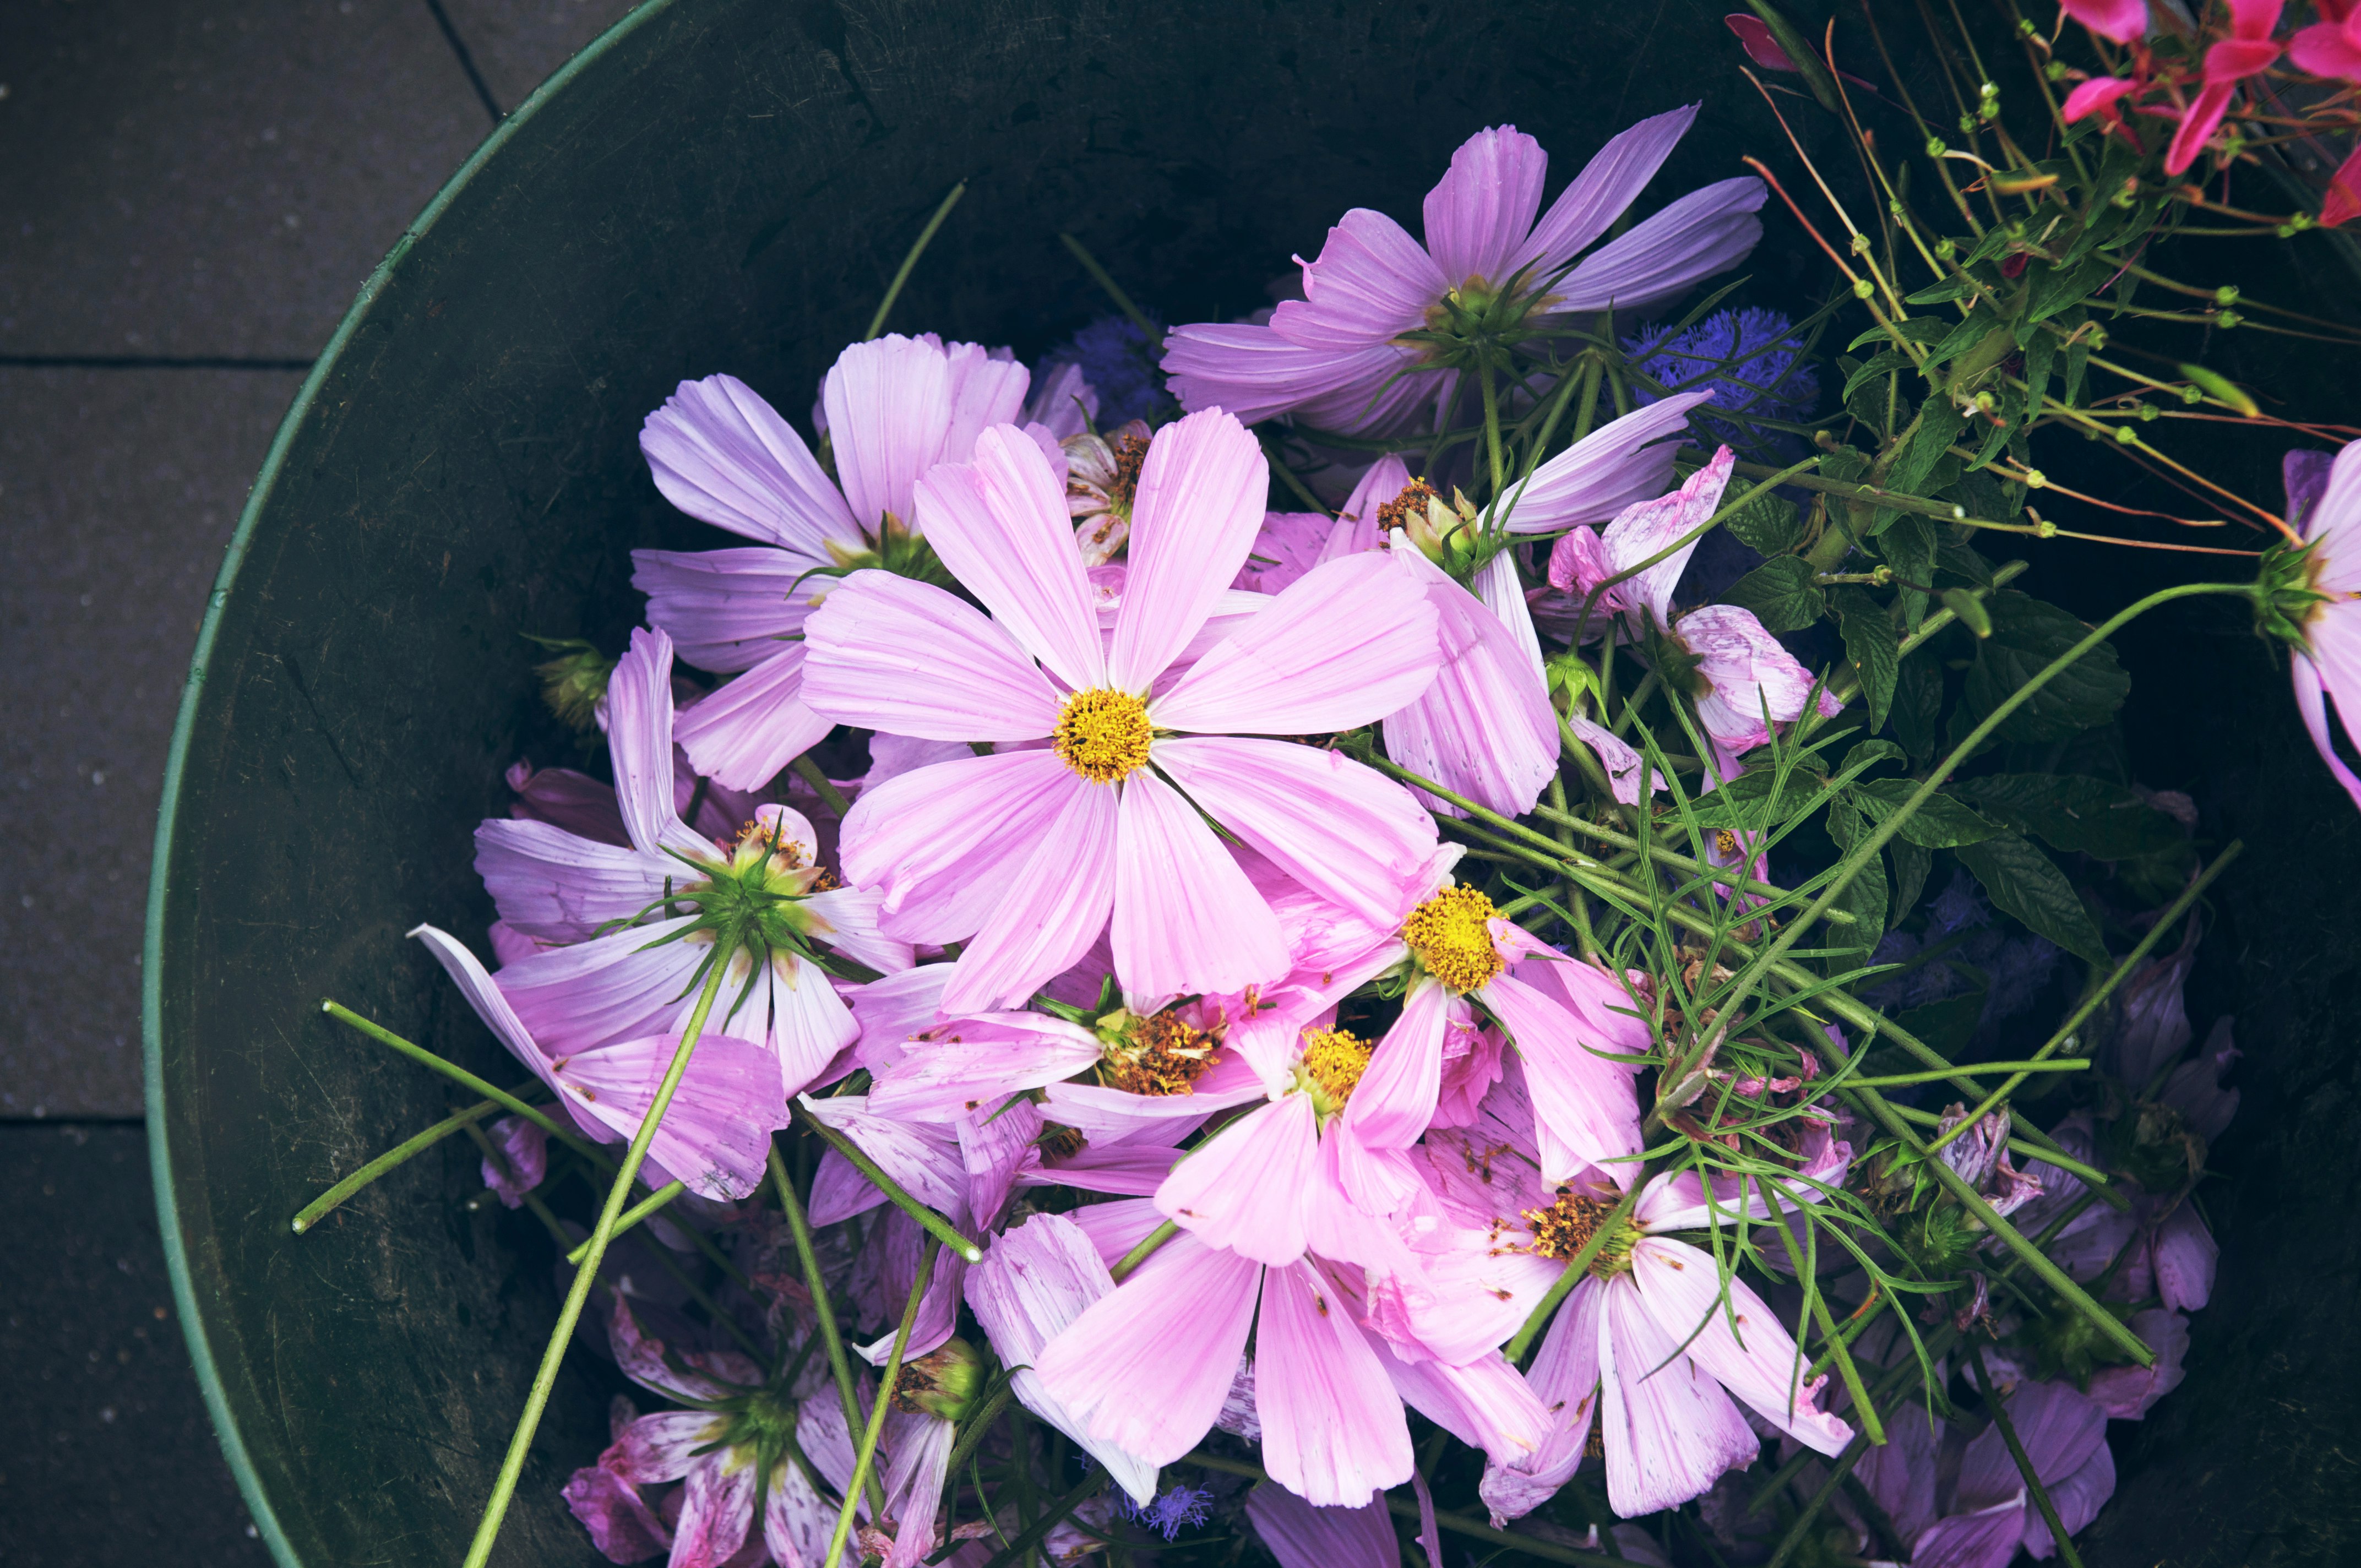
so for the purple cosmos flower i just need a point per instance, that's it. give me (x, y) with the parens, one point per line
(1746, 360)
(2324, 505)
(1738, 673)
(1488, 274)
(1302, 1535)
(665, 892)
(1024, 855)
(894, 407)
(1992, 1513)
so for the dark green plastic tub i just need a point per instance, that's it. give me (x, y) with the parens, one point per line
(727, 185)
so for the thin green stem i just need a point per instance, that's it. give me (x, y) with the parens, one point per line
(488, 1529)
(1492, 432)
(635, 1214)
(2066, 1552)
(839, 1364)
(461, 1075)
(979, 1427)
(910, 262)
(822, 785)
(893, 1376)
(1576, 1267)
(1144, 1251)
(2074, 1021)
(2096, 1178)
(934, 1224)
(2022, 1069)
(318, 1208)
(1114, 292)
(1031, 1536)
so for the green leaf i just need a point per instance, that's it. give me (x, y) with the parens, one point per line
(2075, 814)
(2022, 881)
(2026, 635)
(1940, 423)
(1908, 546)
(1962, 559)
(1948, 1025)
(1745, 802)
(1864, 896)
(1918, 710)
(2039, 354)
(1871, 649)
(1885, 363)
(1911, 863)
(1910, 329)
(2055, 288)
(1770, 523)
(1942, 823)
(2078, 357)
(1781, 593)
(1965, 336)
(1942, 293)
(1845, 466)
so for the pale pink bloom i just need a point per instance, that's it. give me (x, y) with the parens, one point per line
(933, 1164)
(587, 807)
(1332, 358)
(1036, 1278)
(1147, 1367)
(914, 1454)
(894, 407)
(1741, 676)
(1302, 1535)
(2327, 512)
(716, 1132)
(1024, 855)
(524, 1160)
(1993, 1514)
(640, 979)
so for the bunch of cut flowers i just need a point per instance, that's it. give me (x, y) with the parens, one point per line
(1464, 907)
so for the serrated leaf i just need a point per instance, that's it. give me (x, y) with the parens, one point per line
(1746, 803)
(2075, 813)
(2038, 355)
(2022, 881)
(1943, 292)
(1871, 647)
(1781, 593)
(1884, 362)
(2026, 635)
(1918, 710)
(1942, 823)
(1867, 753)
(1940, 423)
(1965, 336)
(1911, 862)
(1910, 329)
(2058, 287)
(1864, 898)
(2077, 358)
(1772, 524)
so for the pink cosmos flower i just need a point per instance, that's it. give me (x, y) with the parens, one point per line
(2324, 505)
(894, 408)
(720, 1457)
(1741, 673)
(638, 980)
(1487, 267)
(1645, 1338)
(716, 1134)
(2122, 20)
(2249, 49)
(1024, 855)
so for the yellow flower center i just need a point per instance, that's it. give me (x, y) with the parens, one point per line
(1102, 734)
(1333, 1059)
(1450, 936)
(1566, 1227)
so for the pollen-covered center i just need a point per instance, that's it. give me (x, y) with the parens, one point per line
(1161, 1056)
(1130, 456)
(1411, 504)
(1451, 936)
(1334, 1060)
(1567, 1227)
(1102, 734)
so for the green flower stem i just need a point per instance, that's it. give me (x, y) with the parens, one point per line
(1893, 1377)
(634, 1214)
(1492, 432)
(1576, 1267)
(1871, 1427)
(1406, 1507)
(1286, 476)
(934, 1224)
(318, 1208)
(839, 1364)
(1114, 292)
(461, 1075)
(979, 1427)
(830, 796)
(2057, 1041)
(1672, 860)
(488, 1529)
(1021, 1547)
(910, 262)
(2066, 1552)
(2021, 1070)
(893, 1376)
(664, 1260)
(1144, 1251)
(1757, 968)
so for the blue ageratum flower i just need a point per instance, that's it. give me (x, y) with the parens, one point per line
(1182, 1506)
(1121, 365)
(1747, 357)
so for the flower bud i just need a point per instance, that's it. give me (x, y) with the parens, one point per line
(573, 683)
(945, 1382)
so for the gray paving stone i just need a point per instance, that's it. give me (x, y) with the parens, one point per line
(105, 1456)
(517, 43)
(121, 488)
(212, 176)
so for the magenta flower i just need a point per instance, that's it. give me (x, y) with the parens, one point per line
(639, 978)
(2248, 50)
(894, 408)
(2332, 46)
(2122, 20)
(1489, 273)
(1026, 855)
(1741, 679)
(716, 1134)
(2324, 505)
